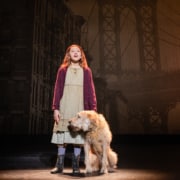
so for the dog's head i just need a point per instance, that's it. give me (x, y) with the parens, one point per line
(83, 121)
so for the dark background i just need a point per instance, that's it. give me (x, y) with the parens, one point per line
(132, 47)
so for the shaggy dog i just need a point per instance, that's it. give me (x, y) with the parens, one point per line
(99, 157)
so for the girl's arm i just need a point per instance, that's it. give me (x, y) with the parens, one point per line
(58, 89)
(56, 116)
(92, 102)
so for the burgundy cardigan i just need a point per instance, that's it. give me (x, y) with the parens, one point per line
(88, 89)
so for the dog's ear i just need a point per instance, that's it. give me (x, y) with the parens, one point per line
(89, 115)
(93, 117)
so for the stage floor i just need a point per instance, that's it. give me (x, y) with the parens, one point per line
(119, 174)
(155, 160)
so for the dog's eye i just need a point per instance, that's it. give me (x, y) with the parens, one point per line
(78, 116)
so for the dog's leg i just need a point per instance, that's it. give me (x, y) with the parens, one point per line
(104, 162)
(112, 160)
(87, 157)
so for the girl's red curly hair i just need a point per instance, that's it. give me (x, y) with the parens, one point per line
(67, 60)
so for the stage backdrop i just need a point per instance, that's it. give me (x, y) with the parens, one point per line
(132, 47)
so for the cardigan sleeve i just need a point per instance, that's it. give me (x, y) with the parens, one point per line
(90, 94)
(58, 88)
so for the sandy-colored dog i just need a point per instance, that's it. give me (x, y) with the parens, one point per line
(98, 154)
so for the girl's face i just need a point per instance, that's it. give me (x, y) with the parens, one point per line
(75, 53)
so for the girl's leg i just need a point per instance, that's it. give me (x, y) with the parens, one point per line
(75, 160)
(77, 150)
(61, 150)
(60, 160)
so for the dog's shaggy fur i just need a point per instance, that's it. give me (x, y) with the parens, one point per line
(98, 154)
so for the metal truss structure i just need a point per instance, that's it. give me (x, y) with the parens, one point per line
(145, 13)
(110, 59)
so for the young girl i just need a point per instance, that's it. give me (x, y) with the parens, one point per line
(74, 91)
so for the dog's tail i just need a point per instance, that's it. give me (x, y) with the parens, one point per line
(112, 159)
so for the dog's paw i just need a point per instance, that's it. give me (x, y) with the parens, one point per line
(111, 170)
(104, 171)
(89, 170)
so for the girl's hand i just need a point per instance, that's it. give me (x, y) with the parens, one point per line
(56, 116)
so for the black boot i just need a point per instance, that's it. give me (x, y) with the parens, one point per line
(59, 165)
(75, 165)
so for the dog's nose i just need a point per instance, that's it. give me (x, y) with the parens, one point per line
(70, 120)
